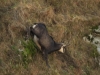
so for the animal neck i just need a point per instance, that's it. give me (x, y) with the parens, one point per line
(56, 48)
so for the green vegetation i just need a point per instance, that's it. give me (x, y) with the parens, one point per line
(29, 51)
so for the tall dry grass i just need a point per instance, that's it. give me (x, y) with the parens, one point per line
(66, 20)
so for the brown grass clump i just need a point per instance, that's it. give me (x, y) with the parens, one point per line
(66, 20)
(47, 15)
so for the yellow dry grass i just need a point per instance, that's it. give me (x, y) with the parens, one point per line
(66, 20)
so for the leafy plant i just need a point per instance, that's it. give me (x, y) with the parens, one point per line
(29, 51)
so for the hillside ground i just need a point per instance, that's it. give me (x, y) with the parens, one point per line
(66, 20)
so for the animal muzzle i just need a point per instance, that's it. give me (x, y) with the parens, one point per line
(63, 48)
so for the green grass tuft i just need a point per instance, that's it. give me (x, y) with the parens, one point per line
(29, 51)
(26, 52)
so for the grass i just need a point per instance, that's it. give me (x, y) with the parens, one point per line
(26, 51)
(67, 21)
(29, 51)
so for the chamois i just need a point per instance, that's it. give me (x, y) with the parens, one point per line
(44, 41)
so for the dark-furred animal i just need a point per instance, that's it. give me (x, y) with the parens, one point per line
(44, 41)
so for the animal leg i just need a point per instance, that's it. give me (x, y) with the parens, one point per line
(46, 58)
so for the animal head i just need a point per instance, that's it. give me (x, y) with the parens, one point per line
(62, 49)
(38, 29)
